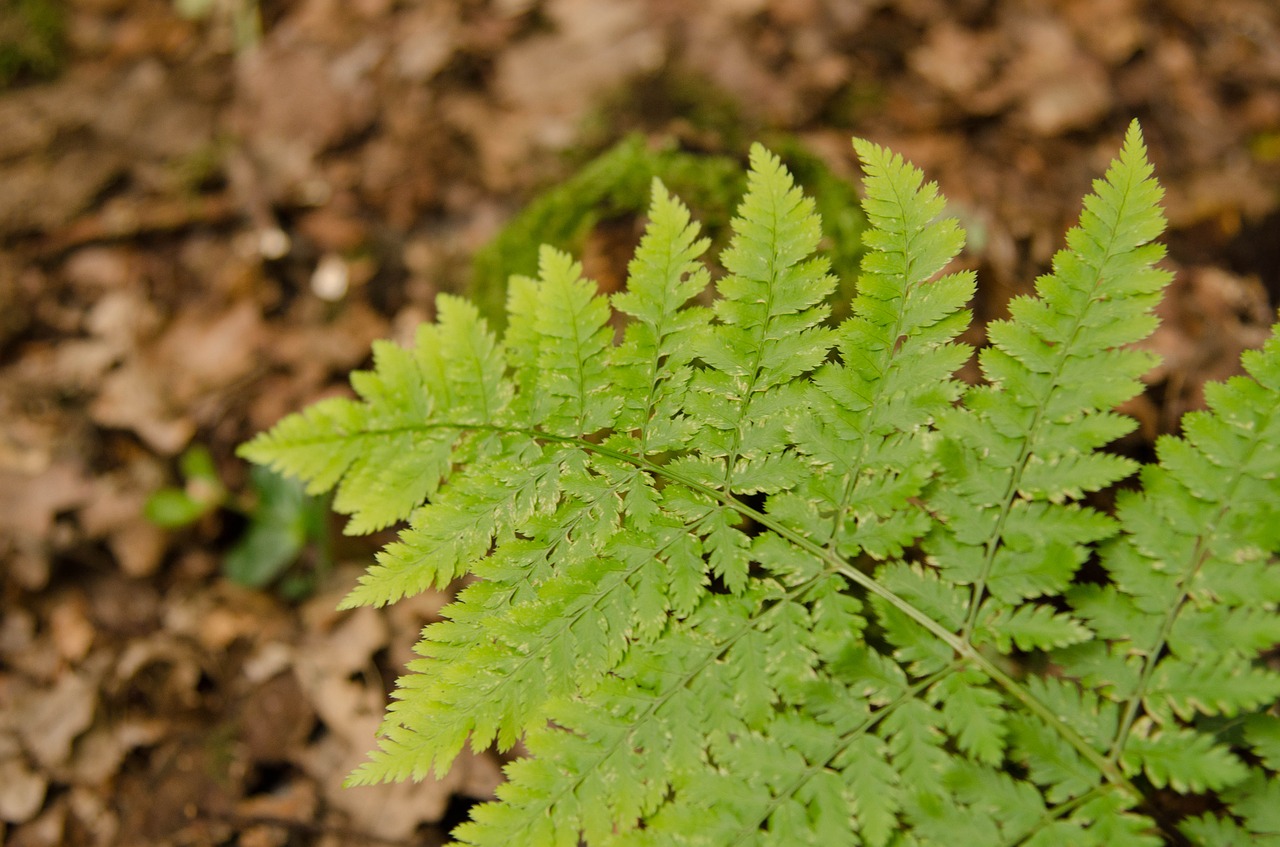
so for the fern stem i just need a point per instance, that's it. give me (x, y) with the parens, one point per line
(731, 459)
(962, 647)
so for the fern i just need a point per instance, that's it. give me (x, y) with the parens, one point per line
(743, 579)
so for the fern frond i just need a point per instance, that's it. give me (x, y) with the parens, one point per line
(544, 622)
(652, 362)
(570, 394)
(807, 757)
(742, 579)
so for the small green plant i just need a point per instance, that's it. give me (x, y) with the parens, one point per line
(282, 521)
(741, 578)
(202, 492)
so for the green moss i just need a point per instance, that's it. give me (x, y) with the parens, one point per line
(853, 104)
(32, 40)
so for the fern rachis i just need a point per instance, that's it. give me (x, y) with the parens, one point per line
(747, 579)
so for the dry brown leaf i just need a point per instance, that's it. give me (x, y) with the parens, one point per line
(114, 512)
(156, 392)
(29, 506)
(218, 616)
(267, 659)
(1112, 29)
(95, 815)
(138, 547)
(50, 719)
(30, 502)
(199, 354)
(161, 671)
(132, 397)
(46, 830)
(22, 788)
(99, 754)
(426, 37)
(275, 719)
(46, 194)
(70, 628)
(297, 800)
(547, 83)
(959, 61)
(293, 102)
(22, 650)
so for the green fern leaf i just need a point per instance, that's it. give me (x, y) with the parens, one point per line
(1263, 734)
(1185, 761)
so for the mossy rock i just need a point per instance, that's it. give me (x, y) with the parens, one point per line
(615, 187)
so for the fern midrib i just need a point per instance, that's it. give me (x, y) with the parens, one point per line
(654, 380)
(656, 374)
(1051, 815)
(580, 361)
(992, 544)
(478, 363)
(757, 356)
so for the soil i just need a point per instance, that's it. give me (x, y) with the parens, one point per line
(203, 228)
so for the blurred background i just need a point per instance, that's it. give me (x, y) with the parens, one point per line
(210, 208)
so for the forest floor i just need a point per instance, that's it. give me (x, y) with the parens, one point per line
(200, 232)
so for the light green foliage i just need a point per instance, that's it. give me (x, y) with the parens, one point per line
(743, 579)
(281, 522)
